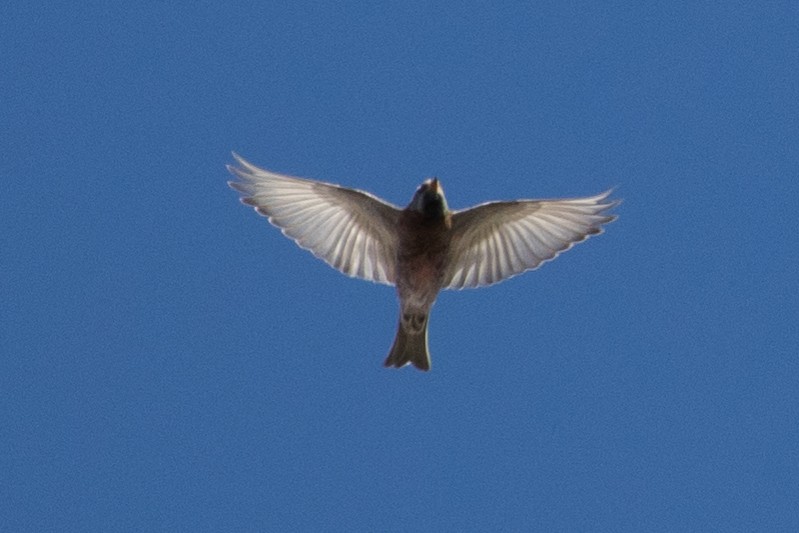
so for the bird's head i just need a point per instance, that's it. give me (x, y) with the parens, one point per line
(429, 200)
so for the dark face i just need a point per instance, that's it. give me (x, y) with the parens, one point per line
(429, 200)
(433, 205)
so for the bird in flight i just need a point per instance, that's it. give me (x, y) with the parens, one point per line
(423, 248)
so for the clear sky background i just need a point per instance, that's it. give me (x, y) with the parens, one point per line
(169, 361)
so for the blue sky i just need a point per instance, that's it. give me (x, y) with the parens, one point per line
(169, 361)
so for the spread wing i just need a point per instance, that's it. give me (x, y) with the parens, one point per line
(494, 241)
(353, 231)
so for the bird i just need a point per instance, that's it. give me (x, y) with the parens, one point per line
(423, 248)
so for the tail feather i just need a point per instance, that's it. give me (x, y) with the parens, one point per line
(410, 345)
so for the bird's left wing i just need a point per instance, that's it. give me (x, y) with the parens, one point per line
(353, 231)
(494, 241)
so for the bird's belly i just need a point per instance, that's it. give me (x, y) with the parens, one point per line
(419, 282)
(421, 260)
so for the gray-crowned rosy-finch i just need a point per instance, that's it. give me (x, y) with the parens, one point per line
(423, 248)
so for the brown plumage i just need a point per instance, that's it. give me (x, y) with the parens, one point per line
(423, 248)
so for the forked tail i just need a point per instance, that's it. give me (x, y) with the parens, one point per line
(410, 344)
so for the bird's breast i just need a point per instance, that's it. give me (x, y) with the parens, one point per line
(421, 258)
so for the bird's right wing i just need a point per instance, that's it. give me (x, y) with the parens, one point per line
(353, 231)
(494, 241)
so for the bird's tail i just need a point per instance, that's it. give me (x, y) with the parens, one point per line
(410, 344)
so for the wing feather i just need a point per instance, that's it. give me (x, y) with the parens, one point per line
(494, 241)
(353, 231)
